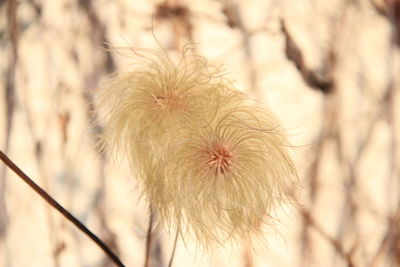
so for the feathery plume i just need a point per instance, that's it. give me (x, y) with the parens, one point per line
(143, 106)
(227, 177)
(208, 161)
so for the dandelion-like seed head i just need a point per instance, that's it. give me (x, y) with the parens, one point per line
(229, 175)
(146, 104)
(208, 161)
(156, 95)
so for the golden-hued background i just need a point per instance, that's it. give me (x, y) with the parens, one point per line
(329, 70)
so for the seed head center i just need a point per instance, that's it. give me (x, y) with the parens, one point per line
(171, 101)
(219, 158)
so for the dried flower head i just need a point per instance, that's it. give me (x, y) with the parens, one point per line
(143, 106)
(208, 161)
(227, 177)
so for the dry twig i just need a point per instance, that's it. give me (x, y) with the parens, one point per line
(60, 209)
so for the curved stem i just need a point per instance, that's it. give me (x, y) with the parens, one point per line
(60, 208)
(173, 249)
(149, 239)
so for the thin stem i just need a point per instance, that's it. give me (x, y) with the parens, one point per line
(173, 249)
(149, 239)
(60, 208)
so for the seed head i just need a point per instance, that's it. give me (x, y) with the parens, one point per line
(207, 160)
(145, 106)
(228, 176)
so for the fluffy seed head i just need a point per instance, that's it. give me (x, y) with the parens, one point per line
(227, 177)
(144, 107)
(207, 160)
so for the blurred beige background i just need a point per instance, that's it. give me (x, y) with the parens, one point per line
(328, 69)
